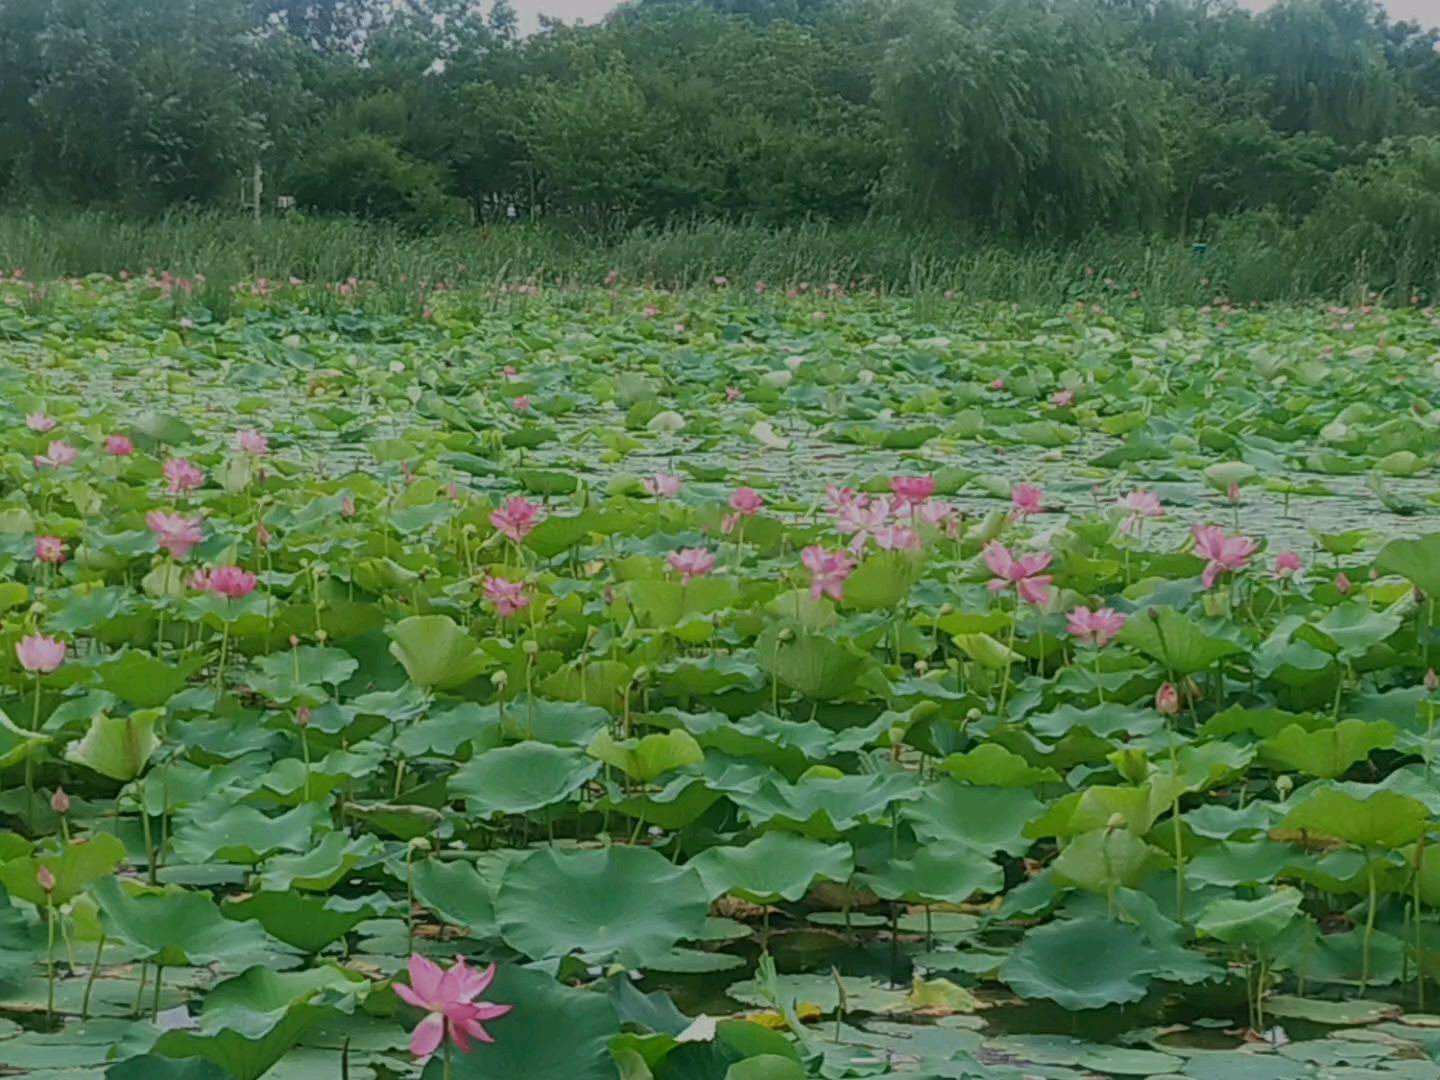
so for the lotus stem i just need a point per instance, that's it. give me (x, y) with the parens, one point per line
(1369, 925)
(50, 957)
(90, 979)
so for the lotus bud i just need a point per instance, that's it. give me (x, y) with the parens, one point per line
(641, 676)
(302, 716)
(530, 647)
(1167, 700)
(322, 636)
(60, 801)
(419, 843)
(499, 679)
(1284, 785)
(946, 609)
(1342, 583)
(1132, 764)
(1117, 821)
(45, 879)
(786, 634)
(921, 667)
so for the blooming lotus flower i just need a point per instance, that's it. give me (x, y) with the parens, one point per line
(56, 454)
(1095, 627)
(181, 476)
(662, 485)
(1287, 562)
(505, 595)
(1063, 399)
(1024, 573)
(251, 442)
(897, 538)
(119, 446)
(49, 549)
(690, 563)
(1138, 505)
(1027, 499)
(828, 571)
(231, 582)
(38, 421)
(1221, 552)
(861, 520)
(746, 501)
(40, 654)
(912, 489)
(516, 518)
(174, 533)
(1167, 700)
(840, 498)
(449, 999)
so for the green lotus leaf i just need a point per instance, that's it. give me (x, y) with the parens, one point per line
(436, 653)
(520, 778)
(777, 866)
(118, 746)
(1103, 860)
(1250, 922)
(309, 923)
(647, 758)
(75, 865)
(457, 894)
(178, 928)
(1175, 640)
(627, 904)
(219, 829)
(1081, 964)
(991, 765)
(1381, 819)
(936, 874)
(1418, 560)
(1327, 752)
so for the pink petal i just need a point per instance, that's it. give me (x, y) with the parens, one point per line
(427, 1036)
(485, 1010)
(425, 976)
(409, 996)
(1208, 577)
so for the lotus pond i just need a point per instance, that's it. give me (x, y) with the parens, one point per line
(769, 686)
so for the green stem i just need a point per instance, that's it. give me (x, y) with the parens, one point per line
(1369, 926)
(1419, 937)
(1005, 676)
(1099, 686)
(90, 980)
(50, 958)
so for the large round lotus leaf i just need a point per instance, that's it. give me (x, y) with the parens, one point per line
(520, 778)
(551, 1033)
(1250, 922)
(937, 874)
(1383, 818)
(437, 653)
(1081, 964)
(778, 866)
(628, 904)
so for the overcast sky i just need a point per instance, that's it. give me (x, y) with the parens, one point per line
(1426, 11)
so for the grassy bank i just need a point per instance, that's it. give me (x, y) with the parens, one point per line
(1244, 263)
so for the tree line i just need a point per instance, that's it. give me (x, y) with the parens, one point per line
(1023, 119)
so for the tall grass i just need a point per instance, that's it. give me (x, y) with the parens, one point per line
(1247, 264)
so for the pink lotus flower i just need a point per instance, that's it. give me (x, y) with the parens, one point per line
(1095, 627)
(1063, 399)
(262, 535)
(1024, 573)
(347, 506)
(56, 454)
(1342, 583)
(509, 372)
(49, 549)
(897, 538)
(1167, 700)
(516, 518)
(40, 654)
(1287, 562)
(521, 403)
(648, 311)
(505, 595)
(662, 485)
(1432, 681)
(119, 446)
(60, 801)
(449, 998)
(828, 571)
(251, 442)
(1221, 552)
(746, 501)
(912, 489)
(733, 393)
(38, 421)
(1027, 499)
(1139, 505)
(181, 476)
(860, 520)
(174, 533)
(997, 384)
(45, 878)
(231, 582)
(840, 498)
(690, 563)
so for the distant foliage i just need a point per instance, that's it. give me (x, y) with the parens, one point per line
(1009, 120)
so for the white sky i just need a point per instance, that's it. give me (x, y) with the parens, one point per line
(1424, 11)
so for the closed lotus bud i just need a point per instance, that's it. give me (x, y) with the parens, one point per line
(500, 678)
(1117, 821)
(1342, 583)
(45, 879)
(1167, 700)
(302, 716)
(1132, 764)
(1284, 785)
(60, 801)
(530, 647)
(419, 843)
(1432, 681)
(641, 676)
(921, 667)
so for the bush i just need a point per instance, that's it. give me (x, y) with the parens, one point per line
(367, 176)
